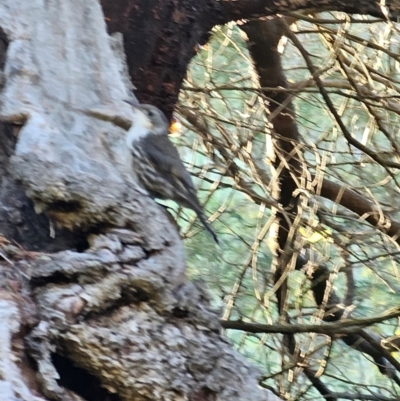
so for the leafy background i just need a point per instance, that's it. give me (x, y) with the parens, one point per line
(221, 88)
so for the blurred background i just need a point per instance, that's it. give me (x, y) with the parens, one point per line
(224, 131)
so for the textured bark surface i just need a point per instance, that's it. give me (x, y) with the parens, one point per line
(113, 318)
(119, 314)
(102, 313)
(121, 320)
(69, 163)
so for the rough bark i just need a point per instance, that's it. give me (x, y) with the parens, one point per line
(119, 314)
(102, 313)
(116, 318)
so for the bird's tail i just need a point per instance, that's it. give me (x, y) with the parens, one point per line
(207, 226)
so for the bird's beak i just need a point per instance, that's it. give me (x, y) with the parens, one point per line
(130, 102)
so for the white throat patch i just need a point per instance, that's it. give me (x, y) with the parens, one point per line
(141, 126)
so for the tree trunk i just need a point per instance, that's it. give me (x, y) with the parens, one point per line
(94, 302)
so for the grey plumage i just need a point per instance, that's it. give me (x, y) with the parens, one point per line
(157, 163)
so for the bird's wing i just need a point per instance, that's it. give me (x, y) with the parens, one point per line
(166, 160)
(165, 157)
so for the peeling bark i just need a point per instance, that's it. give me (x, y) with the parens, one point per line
(121, 320)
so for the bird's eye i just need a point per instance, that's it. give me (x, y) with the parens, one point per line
(150, 113)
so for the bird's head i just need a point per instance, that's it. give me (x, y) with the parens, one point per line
(148, 119)
(158, 121)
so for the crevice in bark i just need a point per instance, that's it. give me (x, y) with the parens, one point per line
(129, 297)
(57, 278)
(80, 381)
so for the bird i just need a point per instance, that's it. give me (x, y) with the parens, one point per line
(157, 163)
